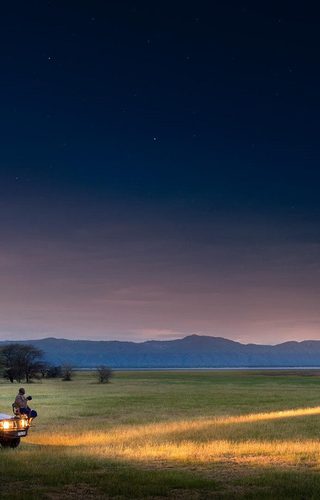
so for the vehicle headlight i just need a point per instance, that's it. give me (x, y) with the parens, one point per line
(6, 424)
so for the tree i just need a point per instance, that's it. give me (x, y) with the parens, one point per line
(32, 362)
(12, 362)
(22, 362)
(53, 371)
(67, 372)
(104, 374)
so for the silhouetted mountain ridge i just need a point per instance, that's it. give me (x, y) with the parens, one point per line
(193, 351)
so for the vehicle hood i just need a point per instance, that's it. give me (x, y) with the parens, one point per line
(4, 416)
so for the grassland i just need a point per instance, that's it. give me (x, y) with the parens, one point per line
(169, 434)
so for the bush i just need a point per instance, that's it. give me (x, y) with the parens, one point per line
(53, 372)
(67, 373)
(104, 374)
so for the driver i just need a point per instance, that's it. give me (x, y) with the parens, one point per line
(21, 404)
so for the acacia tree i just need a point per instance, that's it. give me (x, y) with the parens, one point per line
(12, 362)
(21, 362)
(32, 362)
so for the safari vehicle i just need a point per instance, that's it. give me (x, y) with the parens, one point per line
(12, 429)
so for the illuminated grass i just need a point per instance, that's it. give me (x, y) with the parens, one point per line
(154, 442)
(179, 427)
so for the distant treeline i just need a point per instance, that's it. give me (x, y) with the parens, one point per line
(25, 362)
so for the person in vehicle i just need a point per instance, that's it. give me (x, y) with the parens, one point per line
(21, 404)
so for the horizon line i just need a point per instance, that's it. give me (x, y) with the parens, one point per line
(158, 340)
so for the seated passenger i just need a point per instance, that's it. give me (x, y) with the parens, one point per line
(21, 404)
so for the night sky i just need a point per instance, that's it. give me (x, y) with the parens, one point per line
(159, 170)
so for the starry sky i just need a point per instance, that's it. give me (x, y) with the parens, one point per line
(159, 170)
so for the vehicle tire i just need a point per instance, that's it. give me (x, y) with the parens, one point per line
(10, 443)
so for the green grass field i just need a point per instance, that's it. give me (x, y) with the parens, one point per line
(168, 434)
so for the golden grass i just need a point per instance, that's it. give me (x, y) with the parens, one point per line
(257, 452)
(192, 441)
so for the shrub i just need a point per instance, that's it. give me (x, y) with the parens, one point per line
(67, 373)
(104, 374)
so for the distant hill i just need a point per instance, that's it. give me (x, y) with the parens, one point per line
(194, 351)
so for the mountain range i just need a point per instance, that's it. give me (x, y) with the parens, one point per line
(194, 351)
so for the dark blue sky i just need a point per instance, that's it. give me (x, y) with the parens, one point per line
(159, 170)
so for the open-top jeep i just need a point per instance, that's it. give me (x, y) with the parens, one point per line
(12, 429)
